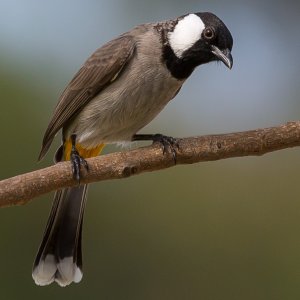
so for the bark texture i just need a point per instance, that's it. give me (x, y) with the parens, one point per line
(20, 189)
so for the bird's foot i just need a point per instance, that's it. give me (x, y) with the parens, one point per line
(77, 161)
(168, 143)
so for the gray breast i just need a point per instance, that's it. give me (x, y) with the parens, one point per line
(131, 101)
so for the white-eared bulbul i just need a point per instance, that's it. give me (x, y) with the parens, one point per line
(119, 89)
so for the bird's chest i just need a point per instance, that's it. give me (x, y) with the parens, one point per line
(128, 103)
(149, 90)
(140, 93)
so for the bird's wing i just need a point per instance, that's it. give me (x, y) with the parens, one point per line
(97, 72)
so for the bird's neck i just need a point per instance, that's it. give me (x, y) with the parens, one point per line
(179, 68)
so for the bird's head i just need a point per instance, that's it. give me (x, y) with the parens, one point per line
(199, 38)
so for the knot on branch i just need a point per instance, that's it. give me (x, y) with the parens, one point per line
(129, 171)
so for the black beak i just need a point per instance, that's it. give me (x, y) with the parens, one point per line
(224, 56)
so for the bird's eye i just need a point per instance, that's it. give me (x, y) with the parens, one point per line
(208, 33)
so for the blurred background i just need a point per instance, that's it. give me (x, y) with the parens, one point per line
(217, 230)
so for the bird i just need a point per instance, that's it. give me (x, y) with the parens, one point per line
(119, 89)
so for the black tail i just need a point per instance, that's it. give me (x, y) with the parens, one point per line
(59, 257)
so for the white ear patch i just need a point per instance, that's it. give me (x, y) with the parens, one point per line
(186, 33)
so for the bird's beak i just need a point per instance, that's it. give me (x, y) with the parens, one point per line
(224, 56)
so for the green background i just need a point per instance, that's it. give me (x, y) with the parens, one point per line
(217, 230)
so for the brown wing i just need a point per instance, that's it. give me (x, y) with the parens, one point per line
(103, 65)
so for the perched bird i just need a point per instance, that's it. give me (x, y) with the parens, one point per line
(119, 89)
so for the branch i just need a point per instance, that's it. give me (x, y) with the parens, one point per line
(22, 188)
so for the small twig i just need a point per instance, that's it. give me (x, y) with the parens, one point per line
(22, 188)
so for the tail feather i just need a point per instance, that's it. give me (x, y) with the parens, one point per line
(59, 257)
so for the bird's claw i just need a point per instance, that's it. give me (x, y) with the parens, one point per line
(168, 143)
(77, 161)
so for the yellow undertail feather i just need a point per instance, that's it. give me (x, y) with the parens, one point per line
(83, 152)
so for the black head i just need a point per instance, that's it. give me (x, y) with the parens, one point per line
(197, 39)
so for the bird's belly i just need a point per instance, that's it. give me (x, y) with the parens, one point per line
(117, 113)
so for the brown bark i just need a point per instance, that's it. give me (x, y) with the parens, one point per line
(22, 188)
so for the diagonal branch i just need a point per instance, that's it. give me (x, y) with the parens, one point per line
(22, 188)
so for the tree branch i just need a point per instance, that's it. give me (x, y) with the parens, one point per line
(22, 188)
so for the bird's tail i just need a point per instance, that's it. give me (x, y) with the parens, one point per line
(59, 257)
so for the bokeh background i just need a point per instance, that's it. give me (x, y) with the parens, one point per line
(219, 230)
